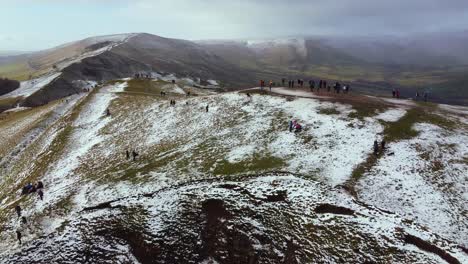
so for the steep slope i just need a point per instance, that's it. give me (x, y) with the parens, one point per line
(232, 184)
(183, 58)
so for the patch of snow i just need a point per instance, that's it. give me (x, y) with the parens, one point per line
(391, 115)
(176, 89)
(29, 87)
(17, 109)
(213, 82)
(399, 101)
(117, 88)
(298, 93)
(457, 109)
(240, 153)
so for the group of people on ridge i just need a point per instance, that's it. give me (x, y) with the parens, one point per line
(322, 84)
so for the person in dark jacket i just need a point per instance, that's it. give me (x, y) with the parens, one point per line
(376, 147)
(40, 185)
(135, 155)
(207, 108)
(127, 153)
(18, 210)
(18, 236)
(41, 194)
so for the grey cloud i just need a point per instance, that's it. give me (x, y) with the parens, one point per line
(276, 17)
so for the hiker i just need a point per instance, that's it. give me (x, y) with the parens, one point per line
(311, 85)
(283, 80)
(108, 112)
(18, 210)
(382, 144)
(207, 106)
(18, 235)
(40, 185)
(33, 189)
(296, 126)
(376, 147)
(337, 87)
(417, 94)
(261, 84)
(290, 126)
(127, 153)
(271, 84)
(29, 187)
(393, 93)
(24, 190)
(135, 155)
(41, 194)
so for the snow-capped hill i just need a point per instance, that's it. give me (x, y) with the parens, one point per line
(141, 166)
(262, 45)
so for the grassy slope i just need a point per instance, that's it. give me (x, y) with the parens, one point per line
(401, 130)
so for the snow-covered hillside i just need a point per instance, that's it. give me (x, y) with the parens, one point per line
(219, 178)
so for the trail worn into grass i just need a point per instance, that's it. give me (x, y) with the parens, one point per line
(403, 129)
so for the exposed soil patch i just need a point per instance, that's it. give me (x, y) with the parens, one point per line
(333, 209)
(428, 247)
(278, 196)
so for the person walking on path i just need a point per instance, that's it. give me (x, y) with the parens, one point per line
(207, 108)
(18, 235)
(376, 147)
(135, 155)
(41, 194)
(18, 210)
(127, 153)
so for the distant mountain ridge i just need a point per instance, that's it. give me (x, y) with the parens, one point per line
(372, 66)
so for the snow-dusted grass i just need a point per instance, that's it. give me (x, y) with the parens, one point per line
(29, 87)
(241, 137)
(424, 180)
(391, 115)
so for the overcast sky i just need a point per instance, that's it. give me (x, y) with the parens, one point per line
(39, 24)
